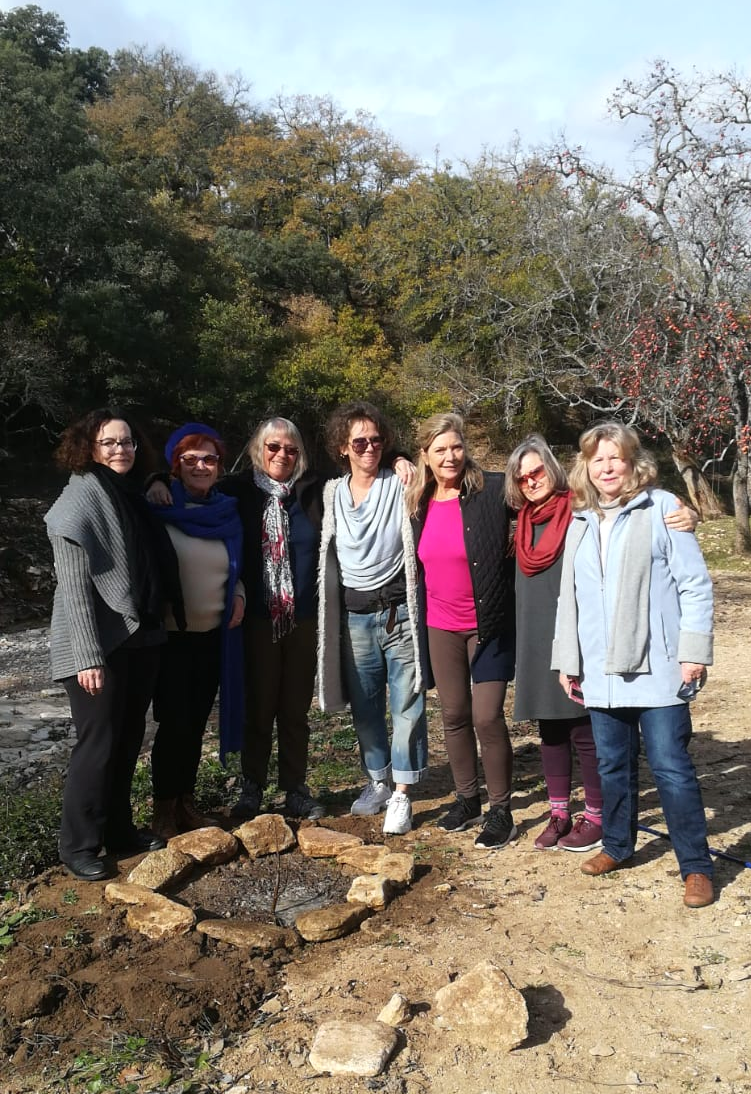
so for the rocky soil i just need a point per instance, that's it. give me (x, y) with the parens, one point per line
(624, 987)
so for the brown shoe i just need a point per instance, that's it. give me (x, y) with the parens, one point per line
(189, 816)
(699, 892)
(164, 821)
(601, 864)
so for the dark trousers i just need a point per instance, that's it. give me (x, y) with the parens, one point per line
(470, 709)
(280, 679)
(185, 692)
(109, 735)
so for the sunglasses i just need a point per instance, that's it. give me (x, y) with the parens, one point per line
(289, 449)
(210, 460)
(360, 444)
(534, 475)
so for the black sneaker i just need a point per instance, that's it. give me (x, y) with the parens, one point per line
(498, 830)
(301, 803)
(248, 805)
(462, 814)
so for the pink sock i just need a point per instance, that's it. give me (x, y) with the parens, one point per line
(559, 808)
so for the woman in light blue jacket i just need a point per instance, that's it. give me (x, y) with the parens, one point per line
(633, 639)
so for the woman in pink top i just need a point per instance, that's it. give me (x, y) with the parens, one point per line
(461, 529)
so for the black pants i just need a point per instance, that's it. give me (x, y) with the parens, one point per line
(185, 693)
(109, 735)
(280, 679)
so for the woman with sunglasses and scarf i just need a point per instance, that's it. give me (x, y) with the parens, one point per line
(536, 485)
(368, 635)
(281, 510)
(205, 656)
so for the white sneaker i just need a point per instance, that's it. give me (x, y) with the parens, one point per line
(398, 819)
(373, 799)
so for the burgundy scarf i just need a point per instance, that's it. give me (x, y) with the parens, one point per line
(557, 511)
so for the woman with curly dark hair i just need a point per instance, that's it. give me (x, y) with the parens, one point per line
(111, 562)
(368, 634)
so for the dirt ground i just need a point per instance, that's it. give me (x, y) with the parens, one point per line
(624, 986)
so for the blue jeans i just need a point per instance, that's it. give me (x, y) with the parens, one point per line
(666, 732)
(374, 659)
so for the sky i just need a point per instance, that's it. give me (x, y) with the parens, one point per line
(445, 80)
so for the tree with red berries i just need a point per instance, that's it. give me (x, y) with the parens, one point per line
(679, 362)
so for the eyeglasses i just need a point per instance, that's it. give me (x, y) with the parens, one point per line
(360, 444)
(209, 460)
(533, 476)
(109, 444)
(274, 447)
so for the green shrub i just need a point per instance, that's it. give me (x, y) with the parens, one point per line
(29, 827)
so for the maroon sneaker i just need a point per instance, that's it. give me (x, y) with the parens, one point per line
(557, 827)
(584, 836)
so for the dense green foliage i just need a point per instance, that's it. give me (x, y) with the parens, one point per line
(166, 245)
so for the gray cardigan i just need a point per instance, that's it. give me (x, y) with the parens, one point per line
(93, 611)
(331, 691)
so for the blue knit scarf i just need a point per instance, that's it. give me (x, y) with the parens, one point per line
(216, 517)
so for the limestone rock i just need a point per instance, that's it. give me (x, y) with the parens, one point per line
(160, 917)
(161, 868)
(325, 842)
(370, 889)
(397, 1011)
(398, 867)
(209, 846)
(268, 834)
(352, 1048)
(121, 892)
(249, 935)
(323, 924)
(366, 859)
(485, 1007)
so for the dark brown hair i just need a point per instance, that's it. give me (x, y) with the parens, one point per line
(196, 440)
(341, 421)
(74, 453)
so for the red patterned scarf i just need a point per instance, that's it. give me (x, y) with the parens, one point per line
(556, 511)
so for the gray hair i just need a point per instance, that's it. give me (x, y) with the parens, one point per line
(537, 444)
(290, 430)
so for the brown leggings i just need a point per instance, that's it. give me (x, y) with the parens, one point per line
(470, 709)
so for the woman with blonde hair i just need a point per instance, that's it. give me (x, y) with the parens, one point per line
(634, 635)
(461, 528)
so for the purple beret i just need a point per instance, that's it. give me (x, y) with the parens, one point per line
(185, 431)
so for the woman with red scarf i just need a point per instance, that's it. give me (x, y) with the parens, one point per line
(536, 485)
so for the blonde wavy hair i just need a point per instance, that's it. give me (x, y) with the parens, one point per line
(422, 487)
(643, 467)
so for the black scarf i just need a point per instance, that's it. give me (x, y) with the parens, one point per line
(152, 562)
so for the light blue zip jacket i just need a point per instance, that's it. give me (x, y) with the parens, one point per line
(680, 609)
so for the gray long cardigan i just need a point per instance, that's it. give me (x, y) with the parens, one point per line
(93, 610)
